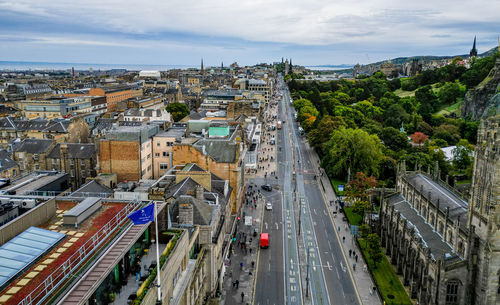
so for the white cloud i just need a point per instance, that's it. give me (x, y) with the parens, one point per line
(313, 22)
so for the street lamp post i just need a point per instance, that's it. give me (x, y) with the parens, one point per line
(307, 275)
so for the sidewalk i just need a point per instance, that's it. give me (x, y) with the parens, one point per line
(246, 274)
(362, 278)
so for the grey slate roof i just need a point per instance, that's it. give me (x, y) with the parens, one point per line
(202, 211)
(93, 188)
(220, 150)
(33, 146)
(197, 115)
(75, 151)
(429, 237)
(5, 161)
(447, 199)
(61, 126)
(193, 167)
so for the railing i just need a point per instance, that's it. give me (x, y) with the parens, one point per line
(73, 263)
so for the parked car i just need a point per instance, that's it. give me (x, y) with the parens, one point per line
(269, 206)
(267, 187)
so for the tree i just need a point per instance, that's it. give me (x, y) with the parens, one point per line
(394, 139)
(326, 126)
(449, 93)
(177, 110)
(419, 138)
(374, 248)
(462, 155)
(364, 230)
(395, 115)
(447, 132)
(360, 206)
(356, 188)
(354, 149)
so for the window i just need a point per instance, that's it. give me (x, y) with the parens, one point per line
(452, 292)
(82, 162)
(14, 173)
(37, 167)
(157, 154)
(163, 165)
(149, 156)
(83, 173)
(71, 162)
(72, 173)
(54, 161)
(166, 154)
(157, 143)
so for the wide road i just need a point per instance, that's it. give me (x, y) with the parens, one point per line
(331, 282)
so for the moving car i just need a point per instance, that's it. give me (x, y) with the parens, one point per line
(269, 206)
(267, 187)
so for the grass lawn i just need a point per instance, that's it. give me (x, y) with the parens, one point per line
(336, 182)
(387, 280)
(402, 93)
(455, 108)
(354, 219)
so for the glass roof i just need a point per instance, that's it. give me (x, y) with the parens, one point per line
(24, 249)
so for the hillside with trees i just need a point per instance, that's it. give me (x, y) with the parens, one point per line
(371, 123)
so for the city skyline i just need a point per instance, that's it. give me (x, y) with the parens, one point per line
(181, 32)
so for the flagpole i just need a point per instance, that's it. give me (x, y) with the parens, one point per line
(157, 254)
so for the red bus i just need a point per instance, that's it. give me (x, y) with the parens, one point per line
(264, 240)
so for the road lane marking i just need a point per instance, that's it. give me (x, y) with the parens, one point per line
(328, 264)
(265, 225)
(315, 212)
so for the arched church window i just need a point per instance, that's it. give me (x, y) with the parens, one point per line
(440, 228)
(450, 237)
(452, 292)
(461, 248)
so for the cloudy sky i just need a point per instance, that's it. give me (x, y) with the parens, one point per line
(312, 32)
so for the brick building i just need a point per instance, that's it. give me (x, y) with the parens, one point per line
(128, 152)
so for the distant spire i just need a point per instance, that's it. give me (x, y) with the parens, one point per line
(202, 64)
(473, 51)
(282, 60)
(222, 65)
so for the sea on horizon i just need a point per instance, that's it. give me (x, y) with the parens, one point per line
(50, 66)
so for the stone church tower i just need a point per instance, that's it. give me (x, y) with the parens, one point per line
(484, 217)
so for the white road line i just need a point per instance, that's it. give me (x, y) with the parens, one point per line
(265, 225)
(324, 212)
(276, 225)
(328, 264)
(315, 212)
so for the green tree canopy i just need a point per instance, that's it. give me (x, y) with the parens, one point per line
(177, 110)
(354, 149)
(394, 139)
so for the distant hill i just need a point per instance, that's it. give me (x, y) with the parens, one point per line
(402, 60)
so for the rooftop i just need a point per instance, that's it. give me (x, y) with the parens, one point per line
(423, 230)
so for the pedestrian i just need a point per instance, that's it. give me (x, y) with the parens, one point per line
(250, 250)
(350, 252)
(365, 268)
(356, 257)
(374, 289)
(354, 266)
(343, 239)
(237, 284)
(242, 296)
(138, 270)
(253, 264)
(354, 253)
(241, 265)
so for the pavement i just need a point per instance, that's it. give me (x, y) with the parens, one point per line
(239, 267)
